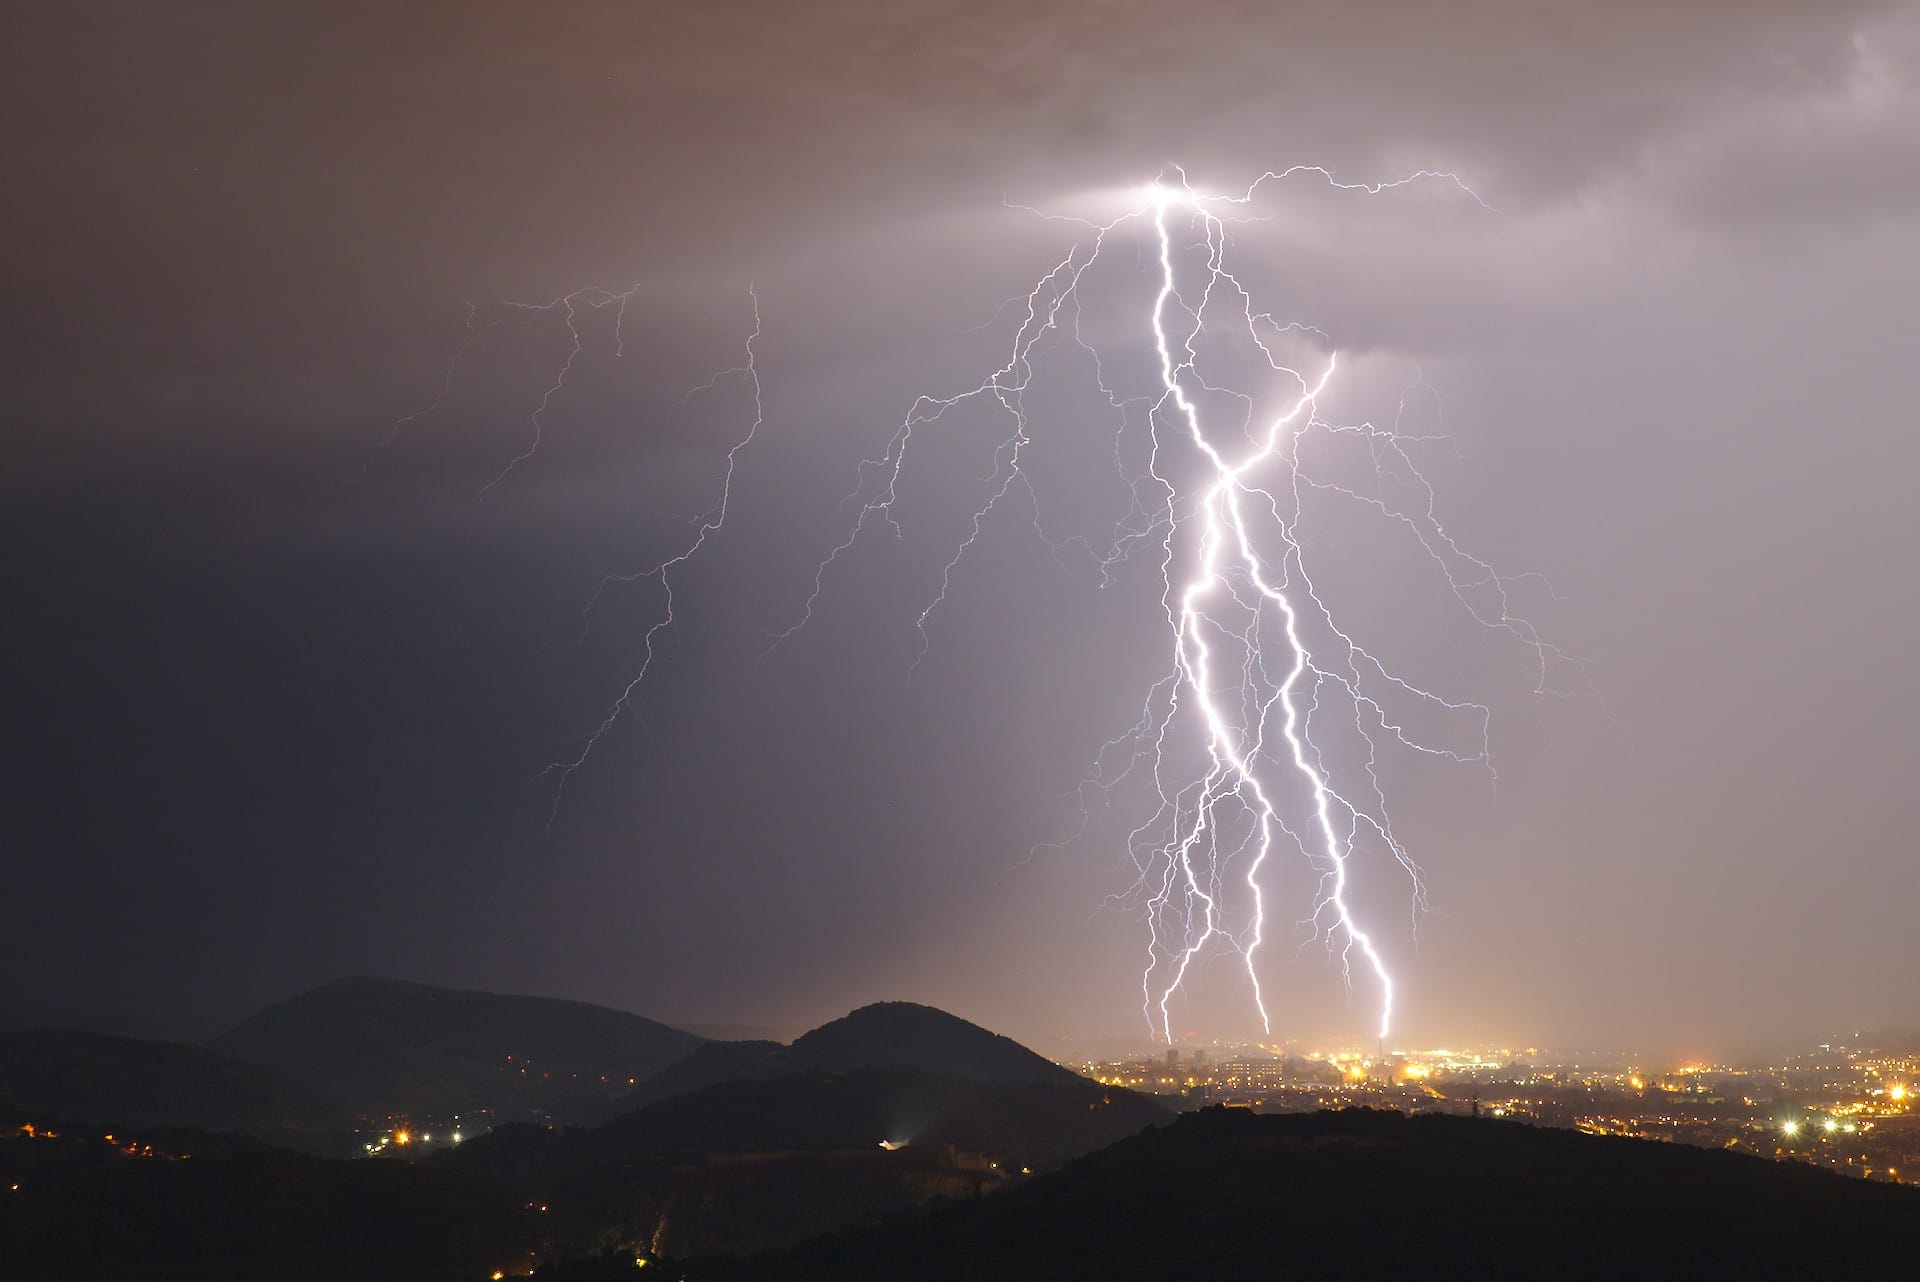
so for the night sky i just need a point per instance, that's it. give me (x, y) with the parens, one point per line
(270, 724)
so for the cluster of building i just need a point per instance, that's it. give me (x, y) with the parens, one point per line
(1849, 1106)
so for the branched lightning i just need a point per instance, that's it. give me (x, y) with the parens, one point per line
(1268, 731)
(703, 526)
(1239, 740)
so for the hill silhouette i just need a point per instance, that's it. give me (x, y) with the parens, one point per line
(884, 1034)
(381, 1046)
(757, 1162)
(1226, 1193)
(21, 1013)
(707, 1066)
(752, 1144)
(1024, 1124)
(917, 1036)
(130, 1082)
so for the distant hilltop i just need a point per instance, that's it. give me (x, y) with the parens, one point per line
(731, 1146)
(885, 1034)
(318, 1068)
(386, 1046)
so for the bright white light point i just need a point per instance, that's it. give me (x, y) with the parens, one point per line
(1791, 1128)
(1159, 195)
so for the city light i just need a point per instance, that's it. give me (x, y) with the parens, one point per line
(1836, 1105)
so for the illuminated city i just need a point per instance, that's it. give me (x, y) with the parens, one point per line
(1841, 1105)
(1844, 1104)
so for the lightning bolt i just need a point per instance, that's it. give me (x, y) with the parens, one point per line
(1268, 731)
(1267, 728)
(666, 571)
(570, 308)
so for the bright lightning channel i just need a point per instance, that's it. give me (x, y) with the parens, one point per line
(1238, 741)
(1256, 652)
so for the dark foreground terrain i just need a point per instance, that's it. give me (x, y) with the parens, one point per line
(760, 1162)
(79, 1205)
(1214, 1195)
(752, 1164)
(122, 1158)
(1226, 1194)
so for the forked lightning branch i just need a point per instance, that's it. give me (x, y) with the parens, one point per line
(1262, 740)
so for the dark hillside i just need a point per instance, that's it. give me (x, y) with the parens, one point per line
(888, 1033)
(1033, 1124)
(757, 1162)
(1228, 1194)
(124, 1081)
(883, 1035)
(709, 1065)
(382, 1046)
(164, 1205)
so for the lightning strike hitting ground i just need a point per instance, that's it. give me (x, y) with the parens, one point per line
(1262, 677)
(1265, 731)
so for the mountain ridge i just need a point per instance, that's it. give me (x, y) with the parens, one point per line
(761, 1162)
(127, 1081)
(386, 1046)
(878, 1035)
